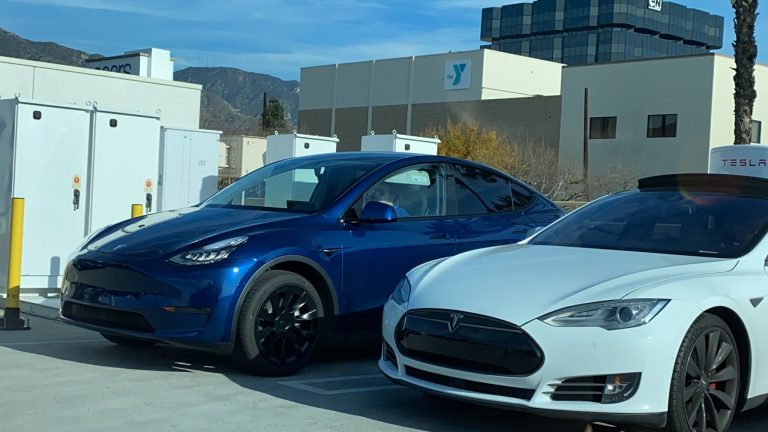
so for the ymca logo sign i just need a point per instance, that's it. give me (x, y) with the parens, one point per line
(457, 74)
(655, 5)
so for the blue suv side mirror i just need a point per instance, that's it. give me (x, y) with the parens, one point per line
(376, 211)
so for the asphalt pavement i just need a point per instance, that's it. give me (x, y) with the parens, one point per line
(60, 378)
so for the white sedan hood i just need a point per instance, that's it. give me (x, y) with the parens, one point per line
(519, 283)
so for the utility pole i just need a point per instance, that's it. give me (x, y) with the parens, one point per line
(585, 160)
(265, 115)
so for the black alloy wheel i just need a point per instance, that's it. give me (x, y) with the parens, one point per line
(286, 326)
(279, 325)
(705, 389)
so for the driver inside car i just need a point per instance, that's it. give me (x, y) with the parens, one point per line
(387, 193)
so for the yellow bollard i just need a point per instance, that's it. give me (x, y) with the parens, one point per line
(12, 319)
(136, 210)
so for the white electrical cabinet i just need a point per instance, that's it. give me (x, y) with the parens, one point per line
(50, 171)
(744, 159)
(78, 169)
(189, 167)
(287, 146)
(126, 156)
(399, 143)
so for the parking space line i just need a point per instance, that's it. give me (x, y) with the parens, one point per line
(12, 344)
(306, 385)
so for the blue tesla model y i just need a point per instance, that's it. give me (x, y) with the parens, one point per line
(298, 252)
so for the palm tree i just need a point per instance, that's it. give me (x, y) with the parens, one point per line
(745, 48)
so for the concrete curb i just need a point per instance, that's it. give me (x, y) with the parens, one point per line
(34, 309)
(39, 310)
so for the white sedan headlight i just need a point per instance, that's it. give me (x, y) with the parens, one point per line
(210, 254)
(611, 315)
(402, 292)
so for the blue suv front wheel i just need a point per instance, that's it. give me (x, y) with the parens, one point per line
(279, 325)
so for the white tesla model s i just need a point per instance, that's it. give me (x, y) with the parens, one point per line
(642, 308)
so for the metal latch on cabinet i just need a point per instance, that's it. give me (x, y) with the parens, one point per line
(76, 183)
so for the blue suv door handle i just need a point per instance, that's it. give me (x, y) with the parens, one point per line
(329, 252)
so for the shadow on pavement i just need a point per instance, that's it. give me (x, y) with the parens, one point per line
(397, 406)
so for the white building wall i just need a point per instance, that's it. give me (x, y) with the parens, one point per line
(722, 120)
(254, 151)
(510, 76)
(632, 91)
(176, 103)
(429, 78)
(16, 80)
(421, 79)
(223, 151)
(242, 155)
(144, 66)
(160, 63)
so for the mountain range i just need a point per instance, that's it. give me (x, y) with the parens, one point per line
(231, 100)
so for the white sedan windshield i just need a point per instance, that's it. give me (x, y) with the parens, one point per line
(673, 222)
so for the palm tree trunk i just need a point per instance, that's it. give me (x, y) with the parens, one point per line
(745, 49)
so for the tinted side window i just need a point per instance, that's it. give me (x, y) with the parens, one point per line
(479, 192)
(413, 192)
(520, 196)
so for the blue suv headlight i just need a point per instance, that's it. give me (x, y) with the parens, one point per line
(210, 254)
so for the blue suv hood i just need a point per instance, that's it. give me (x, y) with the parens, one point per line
(166, 232)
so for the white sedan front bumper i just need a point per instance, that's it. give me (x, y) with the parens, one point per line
(568, 353)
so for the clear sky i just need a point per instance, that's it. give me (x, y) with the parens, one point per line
(275, 36)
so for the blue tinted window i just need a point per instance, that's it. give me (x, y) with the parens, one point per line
(676, 30)
(478, 191)
(297, 185)
(662, 126)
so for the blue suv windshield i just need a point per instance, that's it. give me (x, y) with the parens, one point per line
(296, 185)
(669, 222)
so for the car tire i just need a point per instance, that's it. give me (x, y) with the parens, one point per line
(279, 325)
(706, 380)
(128, 341)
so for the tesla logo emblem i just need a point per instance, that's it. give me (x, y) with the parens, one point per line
(453, 323)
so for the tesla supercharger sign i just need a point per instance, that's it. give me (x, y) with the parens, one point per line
(655, 5)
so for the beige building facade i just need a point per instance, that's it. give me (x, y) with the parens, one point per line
(645, 117)
(518, 96)
(240, 155)
(652, 117)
